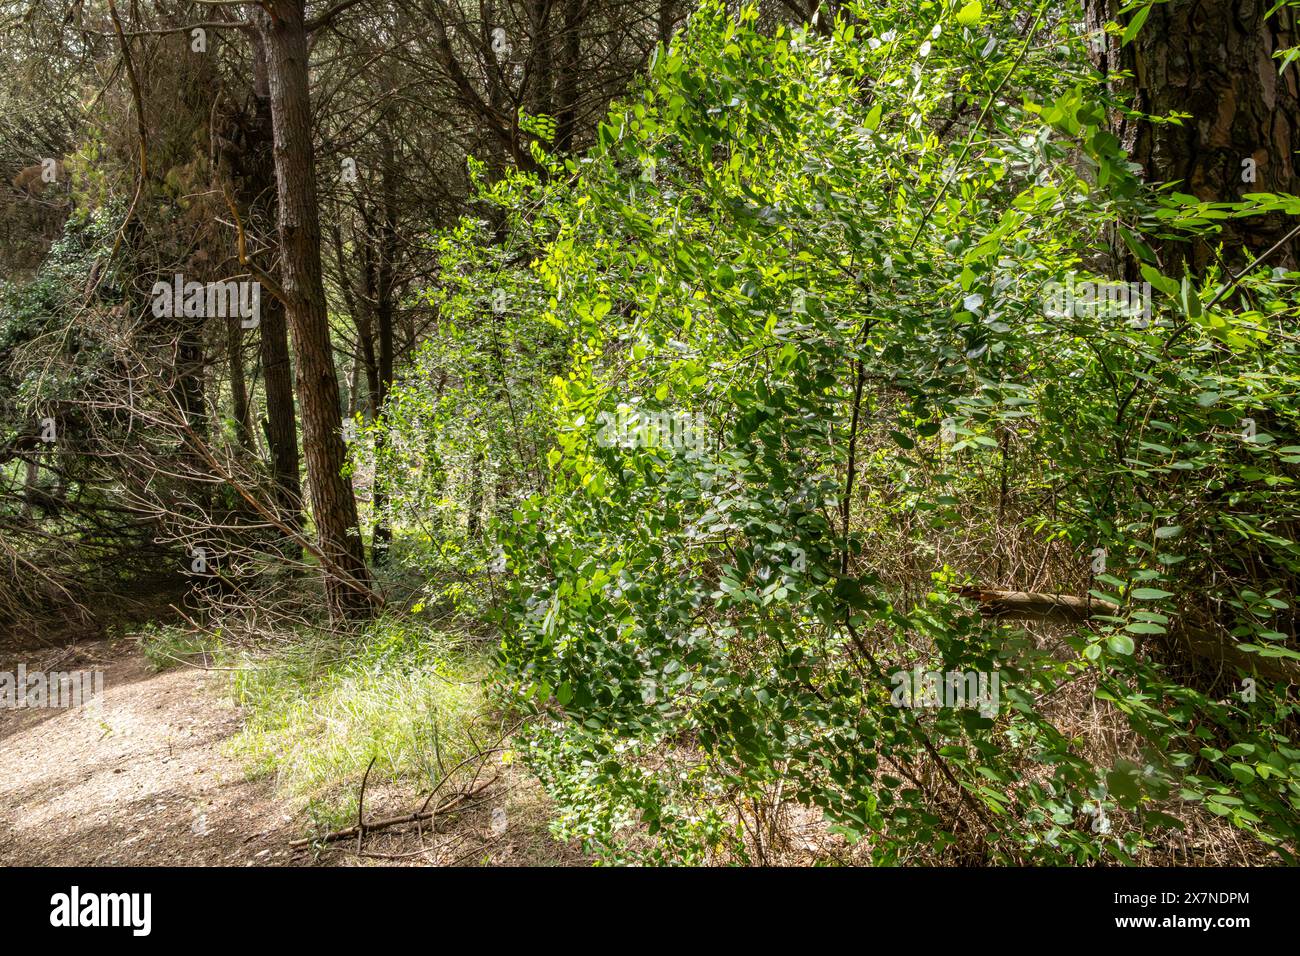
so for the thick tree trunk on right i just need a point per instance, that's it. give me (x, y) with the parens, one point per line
(1214, 60)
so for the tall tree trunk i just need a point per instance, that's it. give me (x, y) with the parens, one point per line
(358, 299)
(188, 393)
(540, 81)
(667, 20)
(353, 380)
(386, 306)
(281, 423)
(334, 508)
(238, 385)
(566, 93)
(1212, 59)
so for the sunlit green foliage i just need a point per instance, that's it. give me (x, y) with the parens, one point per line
(819, 373)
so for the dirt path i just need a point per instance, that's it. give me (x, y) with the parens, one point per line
(141, 777)
(137, 778)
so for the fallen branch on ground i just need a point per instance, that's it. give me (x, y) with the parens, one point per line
(349, 832)
(1065, 608)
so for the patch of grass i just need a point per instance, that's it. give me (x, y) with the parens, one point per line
(166, 645)
(317, 711)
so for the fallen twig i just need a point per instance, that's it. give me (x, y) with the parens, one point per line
(352, 831)
(361, 804)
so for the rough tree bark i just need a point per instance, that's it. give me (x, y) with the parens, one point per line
(280, 424)
(283, 30)
(1214, 60)
(667, 20)
(539, 62)
(566, 93)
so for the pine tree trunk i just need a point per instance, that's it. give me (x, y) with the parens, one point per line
(334, 509)
(566, 93)
(386, 306)
(281, 423)
(1214, 60)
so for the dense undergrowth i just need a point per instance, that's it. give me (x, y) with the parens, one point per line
(822, 378)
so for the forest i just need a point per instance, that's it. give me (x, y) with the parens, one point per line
(572, 433)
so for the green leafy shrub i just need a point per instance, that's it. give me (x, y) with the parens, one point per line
(819, 395)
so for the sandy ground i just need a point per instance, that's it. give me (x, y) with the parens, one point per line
(137, 777)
